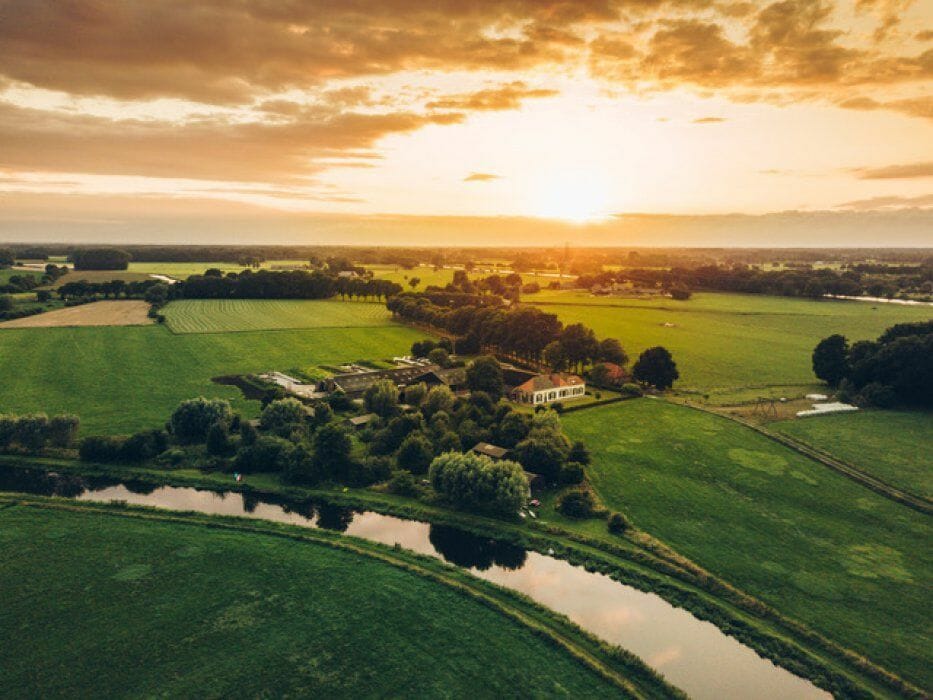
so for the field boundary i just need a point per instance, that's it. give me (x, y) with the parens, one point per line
(850, 471)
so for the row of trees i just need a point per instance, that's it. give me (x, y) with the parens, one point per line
(82, 289)
(797, 282)
(100, 259)
(36, 431)
(895, 369)
(285, 284)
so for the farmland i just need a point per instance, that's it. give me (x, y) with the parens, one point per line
(228, 315)
(895, 446)
(728, 342)
(174, 608)
(119, 380)
(817, 546)
(98, 313)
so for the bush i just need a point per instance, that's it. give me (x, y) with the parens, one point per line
(579, 453)
(632, 390)
(7, 430)
(382, 398)
(572, 473)
(878, 395)
(439, 356)
(476, 482)
(194, 417)
(617, 524)
(403, 483)
(331, 449)
(558, 407)
(339, 401)
(267, 454)
(100, 448)
(43, 296)
(32, 431)
(578, 503)
(218, 440)
(6, 302)
(144, 445)
(63, 429)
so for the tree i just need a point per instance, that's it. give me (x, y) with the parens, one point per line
(439, 398)
(268, 453)
(831, 359)
(43, 296)
(7, 259)
(554, 356)
(194, 417)
(381, 398)
(512, 429)
(31, 431)
(218, 440)
(414, 282)
(332, 448)
(157, 294)
(101, 259)
(484, 374)
(282, 414)
(540, 456)
(421, 348)
(6, 302)
(415, 394)
(611, 350)
(617, 524)
(579, 453)
(579, 343)
(415, 454)
(477, 482)
(656, 367)
(680, 293)
(439, 356)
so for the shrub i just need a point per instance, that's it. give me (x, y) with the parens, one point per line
(173, 457)
(579, 453)
(439, 398)
(878, 395)
(415, 394)
(194, 417)
(7, 430)
(403, 483)
(43, 296)
(144, 445)
(339, 401)
(631, 389)
(617, 524)
(382, 398)
(100, 448)
(578, 503)
(331, 449)
(484, 374)
(572, 473)
(6, 302)
(439, 356)
(476, 482)
(322, 414)
(32, 431)
(301, 468)
(248, 433)
(63, 429)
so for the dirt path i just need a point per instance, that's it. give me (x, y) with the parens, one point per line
(98, 313)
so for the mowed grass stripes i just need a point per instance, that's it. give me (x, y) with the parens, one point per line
(231, 315)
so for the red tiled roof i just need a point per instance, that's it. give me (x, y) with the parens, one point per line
(541, 382)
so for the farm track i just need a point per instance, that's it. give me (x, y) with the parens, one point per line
(850, 471)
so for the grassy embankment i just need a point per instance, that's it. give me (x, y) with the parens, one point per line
(811, 543)
(730, 346)
(169, 606)
(119, 380)
(895, 446)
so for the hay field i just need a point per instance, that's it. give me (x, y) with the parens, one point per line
(98, 313)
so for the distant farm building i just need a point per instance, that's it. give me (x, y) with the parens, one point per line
(492, 451)
(546, 388)
(356, 383)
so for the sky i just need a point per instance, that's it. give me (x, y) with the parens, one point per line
(521, 122)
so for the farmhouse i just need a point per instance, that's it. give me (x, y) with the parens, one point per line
(492, 451)
(545, 388)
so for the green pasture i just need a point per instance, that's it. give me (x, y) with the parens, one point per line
(729, 341)
(226, 315)
(895, 446)
(183, 270)
(8, 272)
(815, 545)
(182, 610)
(123, 379)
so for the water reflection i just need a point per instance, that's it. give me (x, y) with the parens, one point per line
(695, 656)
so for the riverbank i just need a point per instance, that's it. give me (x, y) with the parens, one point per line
(637, 560)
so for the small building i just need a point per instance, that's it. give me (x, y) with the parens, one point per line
(453, 377)
(536, 482)
(355, 383)
(492, 451)
(360, 422)
(547, 388)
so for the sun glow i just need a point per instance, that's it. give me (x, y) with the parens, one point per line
(575, 195)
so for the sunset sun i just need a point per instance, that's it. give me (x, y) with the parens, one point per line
(574, 195)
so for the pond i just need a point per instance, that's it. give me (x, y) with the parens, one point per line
(692, 654)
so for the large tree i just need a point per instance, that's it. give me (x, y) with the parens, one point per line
(476, 482)
(656, 367)
(484, 374)
(831, 359)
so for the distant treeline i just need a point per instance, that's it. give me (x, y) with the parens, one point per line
(798, 282)
(288, 284)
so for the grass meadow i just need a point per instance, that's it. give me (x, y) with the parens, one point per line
(123, 379)
(228, 315)
(801, 537)
(178, 609)
(895, 446)
(728, 342)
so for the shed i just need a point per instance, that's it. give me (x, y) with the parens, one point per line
(493, 451)
(360, 422)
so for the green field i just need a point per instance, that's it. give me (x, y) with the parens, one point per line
(895, 446)
(183, 270)
(123, 379)
(100, 605)
(729, 340)
(7, 273)
(788, 530)
(99, 276)
(226, 315)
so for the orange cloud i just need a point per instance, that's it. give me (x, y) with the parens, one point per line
(897, 172)
(507, 96)
(480, 177)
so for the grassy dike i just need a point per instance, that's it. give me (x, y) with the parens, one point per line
(638, 560)
(628, 676)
